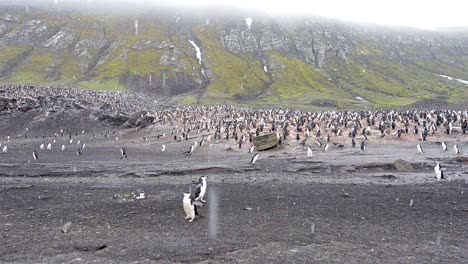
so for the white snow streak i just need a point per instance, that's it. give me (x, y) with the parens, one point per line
(248, 20)
(453, 79)
(361, 99)
(197, 49)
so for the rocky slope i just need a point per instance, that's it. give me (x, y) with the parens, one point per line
(225, 58)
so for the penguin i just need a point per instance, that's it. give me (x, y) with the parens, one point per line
(139, 194)
(83, 145)
(444, 146)
(190, 152)
(190, 207)
(363, 145)
(318, 143)
(49, 146)
(35, 155)
(353, 143)
(163, 148)
(41, 146)
(201, 189)
(309, 152)
(78, 151)
(456, 149)
(254, 158)
(439, 173)
(251, 149)
(63, 148)
(327, 147)
(5, 149)
(123, 153)
(420, 150)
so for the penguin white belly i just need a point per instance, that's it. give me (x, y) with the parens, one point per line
(189, 210)
(202, 191)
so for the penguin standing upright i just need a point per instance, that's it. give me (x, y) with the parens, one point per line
(251, 149)
(201, 189)
(309, 152)
(420, 150)
(190, 208)
(444, 146)
(363, 145)
(35, 155)
(163, 148)
(123, 153)
(456, 149)
(439, 173)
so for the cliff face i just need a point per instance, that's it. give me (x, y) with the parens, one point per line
(228, 58)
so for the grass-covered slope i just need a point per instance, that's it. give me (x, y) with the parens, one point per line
(321, 64)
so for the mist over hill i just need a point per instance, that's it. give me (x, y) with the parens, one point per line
(218, 56)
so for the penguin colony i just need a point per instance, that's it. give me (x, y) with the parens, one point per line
(201, 126)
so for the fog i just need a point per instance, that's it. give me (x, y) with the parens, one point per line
(418, 13)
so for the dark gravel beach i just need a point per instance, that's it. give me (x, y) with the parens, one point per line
(344, 205)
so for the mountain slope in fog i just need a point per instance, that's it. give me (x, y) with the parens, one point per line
(226, 58)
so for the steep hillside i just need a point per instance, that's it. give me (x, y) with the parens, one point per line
(234, 59)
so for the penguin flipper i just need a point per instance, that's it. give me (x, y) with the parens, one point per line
(198, 190)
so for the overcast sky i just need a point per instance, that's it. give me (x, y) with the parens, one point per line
(426, 14)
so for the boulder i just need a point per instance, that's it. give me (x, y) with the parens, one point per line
(266, 141)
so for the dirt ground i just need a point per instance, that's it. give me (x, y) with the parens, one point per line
(382, 205)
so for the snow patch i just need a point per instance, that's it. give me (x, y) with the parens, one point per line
(198, 55)
(453, 79)
(248, 21)
(361, 99)
(197, 49)
(136, 27)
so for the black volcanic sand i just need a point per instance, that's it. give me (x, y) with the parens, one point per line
(382, 205)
